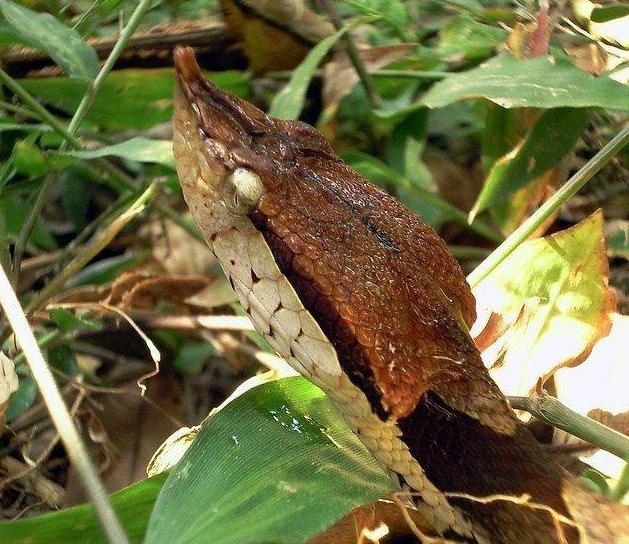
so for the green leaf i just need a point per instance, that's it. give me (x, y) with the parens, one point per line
(540, 82)
(14, 212)
(64, 45)
(553, 297)
(277, 464)
(79, 525)
(602, 14)
(21, 400)
(463, 36)
(68, 322)
(392, 11)
(192, 357)
(28, 159)
(289, 102)
(617, 235)
(128, 99)
(552, 137)
(62, 357)
(137, 149)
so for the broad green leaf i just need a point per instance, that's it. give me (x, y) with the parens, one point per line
(603, 14)
(277, 464)
(553, 297)
(463, 36)
(552, 137)
(43, 31)
(137, 149)
(128, 99)
(79, 525)
(289, 102)
(540, 82)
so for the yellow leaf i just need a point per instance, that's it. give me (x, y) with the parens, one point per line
(553, 298)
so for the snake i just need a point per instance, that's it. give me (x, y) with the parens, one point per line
(363, 299)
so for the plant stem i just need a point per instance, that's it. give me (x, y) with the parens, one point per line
(27, 227)
(59, 412)
(121, 43)
(354, 55)
(553, 412)
(569, 189)
(411, 74)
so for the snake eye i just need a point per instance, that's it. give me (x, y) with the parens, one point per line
(243, 191)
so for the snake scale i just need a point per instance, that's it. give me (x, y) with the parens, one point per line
(363, 299)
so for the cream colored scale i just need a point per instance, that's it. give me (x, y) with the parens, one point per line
(279, 316)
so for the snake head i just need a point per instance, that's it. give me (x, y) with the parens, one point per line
(229, 152)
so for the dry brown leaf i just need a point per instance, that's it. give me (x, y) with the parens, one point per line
(8, 385)
(380, 521)
(127, 430)
(142, 291)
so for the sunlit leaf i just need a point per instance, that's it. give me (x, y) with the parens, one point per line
(280, 457)
(551, 138)
(289, 102)
(79, 524)
(553, 297)
(43, 31)
(540, 82)
(391, 11)
(137, 149)
(603, 14)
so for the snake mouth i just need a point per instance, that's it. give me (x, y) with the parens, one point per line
(223, 117)
(215, 130)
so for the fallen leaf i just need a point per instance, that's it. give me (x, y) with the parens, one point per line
(142, 291)
(553, 296)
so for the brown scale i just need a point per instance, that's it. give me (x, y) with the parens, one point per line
(395, 305)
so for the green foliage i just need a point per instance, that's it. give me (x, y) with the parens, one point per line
(289, 102)
(79, 524)
(540, 82)
(271, 455)
(62, 43)
(282, 449)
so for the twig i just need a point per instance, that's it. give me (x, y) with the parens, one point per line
(354, 55)
(27, 227)
(91, 249)
(553, 412)
(59, 412)
(568, 190)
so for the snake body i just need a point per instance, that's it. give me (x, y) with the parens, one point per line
(363, 299)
